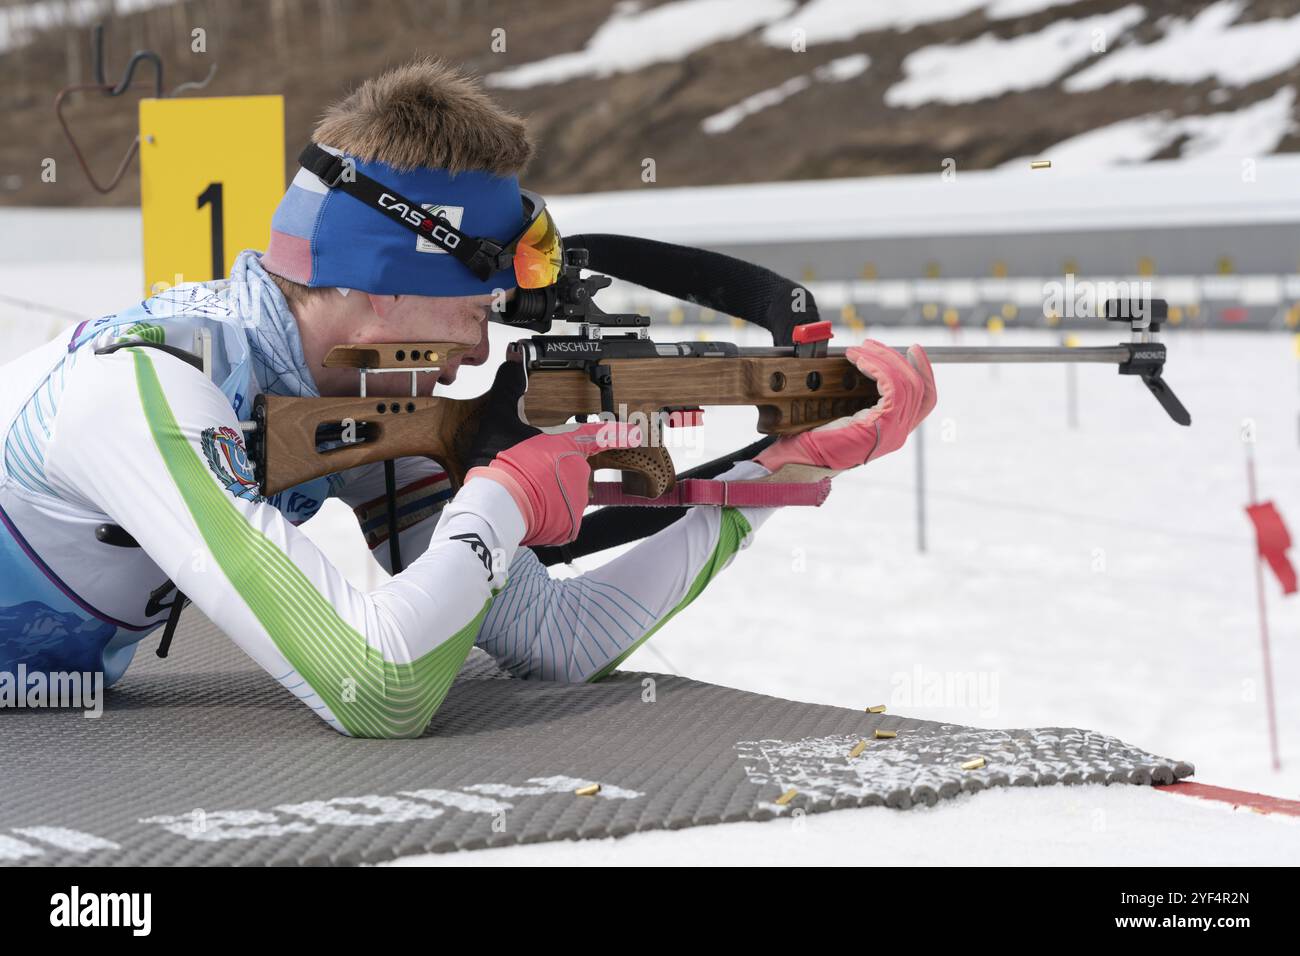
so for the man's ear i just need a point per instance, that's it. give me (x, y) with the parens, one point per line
(382, 305)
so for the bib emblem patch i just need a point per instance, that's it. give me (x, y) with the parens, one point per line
(224, 449)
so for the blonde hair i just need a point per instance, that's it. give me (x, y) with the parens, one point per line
(427, 113)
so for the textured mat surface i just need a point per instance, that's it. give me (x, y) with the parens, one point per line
(204, 759)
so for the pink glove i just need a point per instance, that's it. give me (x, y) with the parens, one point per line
(907, 395)
(547, 476)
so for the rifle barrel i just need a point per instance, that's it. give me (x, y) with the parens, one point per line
(989, 354)
(1024, 354)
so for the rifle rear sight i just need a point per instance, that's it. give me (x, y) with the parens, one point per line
(571, 299)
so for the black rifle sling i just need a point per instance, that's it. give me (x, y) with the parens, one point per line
(117, 536)
(723, 283)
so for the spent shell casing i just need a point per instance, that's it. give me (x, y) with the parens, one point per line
(787, 797)
(590, 790)
(876, 709)
(860, 746)
(975, 764)
(886, 734)
(1041, 164)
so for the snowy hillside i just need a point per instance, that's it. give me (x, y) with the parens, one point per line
(980, 82)
(711, 91)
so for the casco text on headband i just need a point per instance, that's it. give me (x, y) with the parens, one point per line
(482, 256)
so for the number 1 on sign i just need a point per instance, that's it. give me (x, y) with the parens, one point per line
(212, 197)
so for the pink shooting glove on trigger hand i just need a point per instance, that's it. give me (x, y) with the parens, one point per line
(547, 476)
(907, 395)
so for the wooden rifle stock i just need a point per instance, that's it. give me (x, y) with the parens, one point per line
(305, 438)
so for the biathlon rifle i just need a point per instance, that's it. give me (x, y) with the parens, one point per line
(610, 368)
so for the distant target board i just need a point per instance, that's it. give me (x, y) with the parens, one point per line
(211, 174)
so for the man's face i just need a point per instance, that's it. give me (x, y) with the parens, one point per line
(459, 320)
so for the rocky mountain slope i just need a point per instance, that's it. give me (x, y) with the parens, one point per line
(697, 91)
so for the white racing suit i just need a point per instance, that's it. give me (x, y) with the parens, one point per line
(140, 439)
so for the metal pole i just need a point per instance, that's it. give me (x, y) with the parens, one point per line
(1071, 396)
(994, 336)
(1263, 624)
(919, 439)
(1071, 391)
(1295, 341)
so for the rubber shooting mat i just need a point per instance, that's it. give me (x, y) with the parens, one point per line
(204, 759)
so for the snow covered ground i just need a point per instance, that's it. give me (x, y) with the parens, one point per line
(19, 21)
(1078, 826)
(1227, 42)
(1232, 135)
(836, 71)
(1210, 45)
(632, 39)
(990, 66)
(1099, 577)
(832, 21)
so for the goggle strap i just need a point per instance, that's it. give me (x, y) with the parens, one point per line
(481, 256)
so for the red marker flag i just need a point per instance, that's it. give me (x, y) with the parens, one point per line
(1273, 539)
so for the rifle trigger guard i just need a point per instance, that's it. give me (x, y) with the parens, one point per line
(603, 379)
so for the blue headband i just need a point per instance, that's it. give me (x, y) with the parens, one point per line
(323, 237)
